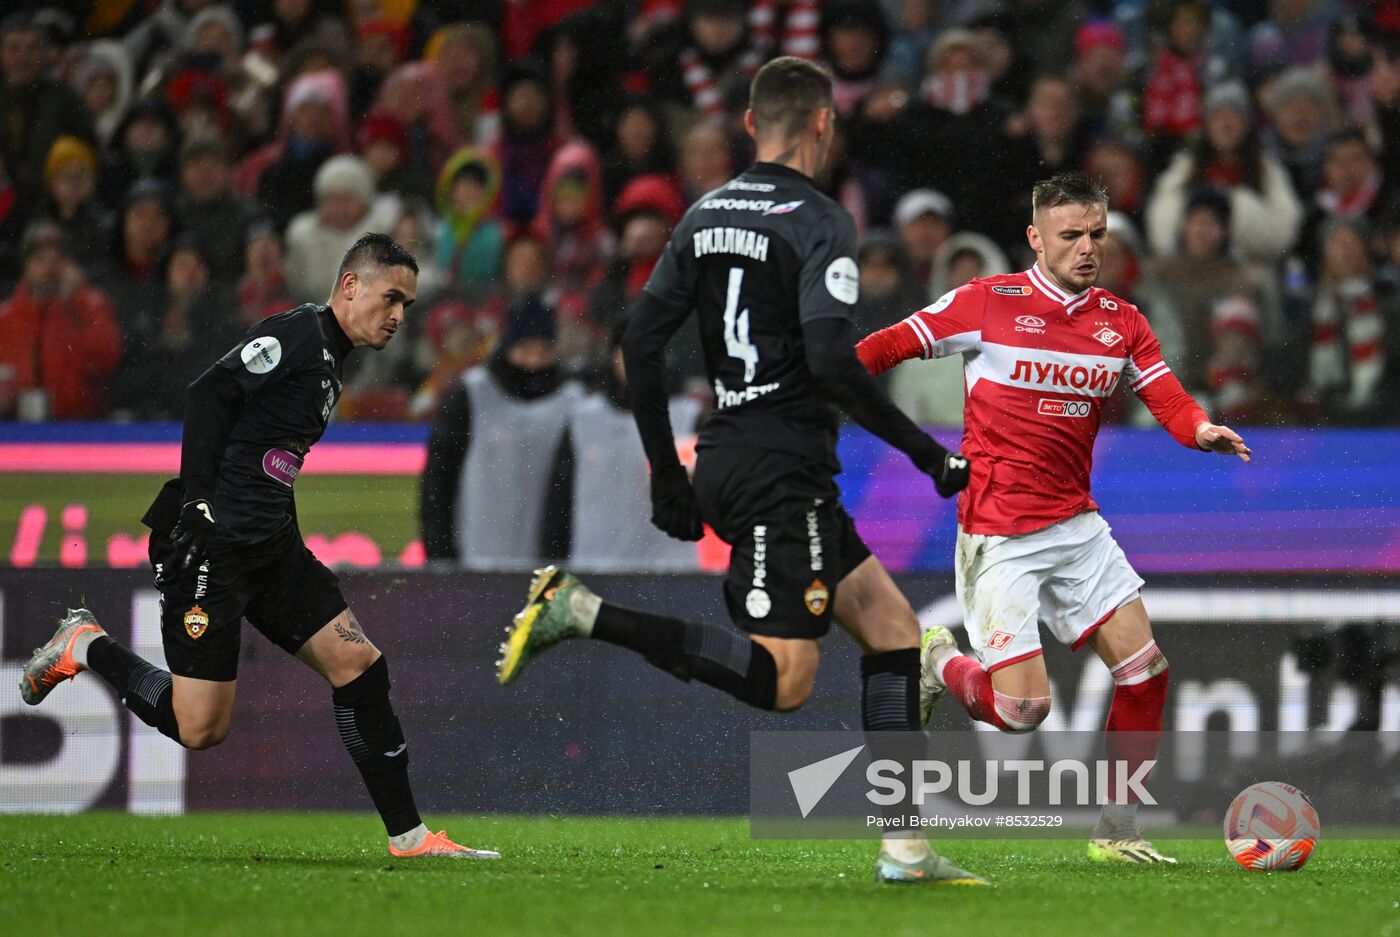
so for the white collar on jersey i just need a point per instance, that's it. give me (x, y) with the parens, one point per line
(1042, 283)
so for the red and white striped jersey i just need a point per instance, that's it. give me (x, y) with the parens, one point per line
(1038, 365)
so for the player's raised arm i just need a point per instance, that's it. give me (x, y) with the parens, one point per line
(828, 289)
(1177, 411)
(660, 309)
(949, 326)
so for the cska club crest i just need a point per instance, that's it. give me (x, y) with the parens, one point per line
(816, 597)
(196, 622)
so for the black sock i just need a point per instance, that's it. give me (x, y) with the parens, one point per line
(725, 659)
(889, 713)
(374, 738)
(889, 693)
(143, 687)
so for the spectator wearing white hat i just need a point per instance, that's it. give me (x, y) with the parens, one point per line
(1303, 115)
(923, 219)
(346, 207)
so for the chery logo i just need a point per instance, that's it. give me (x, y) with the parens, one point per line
(1034, 322)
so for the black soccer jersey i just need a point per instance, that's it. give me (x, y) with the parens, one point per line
(290, 368)
(755, 259)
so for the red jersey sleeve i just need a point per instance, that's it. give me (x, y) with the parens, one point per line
(1158, 388)
(950, 326)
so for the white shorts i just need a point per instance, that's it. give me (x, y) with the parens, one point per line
(1071, 575)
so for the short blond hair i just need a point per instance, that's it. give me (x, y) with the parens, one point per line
(1068, 188)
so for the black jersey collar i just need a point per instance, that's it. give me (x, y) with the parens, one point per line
(778, 169)
(340, 342)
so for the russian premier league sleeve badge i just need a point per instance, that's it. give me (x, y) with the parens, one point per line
(196, 622)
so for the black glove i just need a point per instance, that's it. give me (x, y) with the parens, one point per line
(673, 507)
(193, 536)
(950, 473)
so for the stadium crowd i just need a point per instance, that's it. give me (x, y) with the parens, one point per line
(172, 171)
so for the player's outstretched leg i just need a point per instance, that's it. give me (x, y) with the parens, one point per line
(79, 644)
(870, 606)
(62, 658)
(1133, 730)
(559, 607)
(370, 730)
(943, 668)
(889, 715)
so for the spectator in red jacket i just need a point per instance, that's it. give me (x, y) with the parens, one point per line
(1171, 104)
(61, 337)
(570, 220)
(644, 215)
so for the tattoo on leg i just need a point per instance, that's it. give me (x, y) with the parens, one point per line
(351, 631)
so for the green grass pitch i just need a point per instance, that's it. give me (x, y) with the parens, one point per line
(267, 874)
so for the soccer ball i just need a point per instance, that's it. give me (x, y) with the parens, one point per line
(1271, 825)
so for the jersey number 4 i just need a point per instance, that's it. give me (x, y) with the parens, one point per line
(736, 327)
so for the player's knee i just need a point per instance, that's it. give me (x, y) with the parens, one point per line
(367, 687)
(361, 659)
(794, 690)
(791, 700)
(1021, 714)
(204, 736)
(351, 663)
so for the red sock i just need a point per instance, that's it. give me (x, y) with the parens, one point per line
(1139, 699)
(1138, 707)
(972, 686)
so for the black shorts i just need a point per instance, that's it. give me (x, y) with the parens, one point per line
(792, 541)
(278, 585)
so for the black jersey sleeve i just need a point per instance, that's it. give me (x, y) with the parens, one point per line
(649, 327)
(843, 380)
(272, 349)
(829, 281)
(211, 408)
(672, 280)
